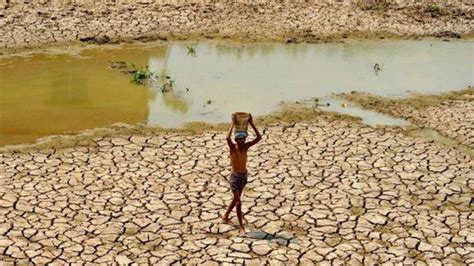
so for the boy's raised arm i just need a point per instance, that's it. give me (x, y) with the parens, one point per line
(229, 134)
(258, 137)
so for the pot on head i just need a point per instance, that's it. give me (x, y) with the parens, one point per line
(241, 121)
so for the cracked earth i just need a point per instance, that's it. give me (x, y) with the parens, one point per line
(322, 191)
(292, 21)
(454, 119)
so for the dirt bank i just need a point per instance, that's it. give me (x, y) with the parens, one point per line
(450, 114)
(287, 116)
(33, 25)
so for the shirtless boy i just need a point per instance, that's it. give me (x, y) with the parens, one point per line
(238, 177)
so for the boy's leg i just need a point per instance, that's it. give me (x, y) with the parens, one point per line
(238, 205)
(240, 196)
(232, 181)
(225, 218)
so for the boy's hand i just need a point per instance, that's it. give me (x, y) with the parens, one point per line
(258, 137)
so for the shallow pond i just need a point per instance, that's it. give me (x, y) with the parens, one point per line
(51, 93)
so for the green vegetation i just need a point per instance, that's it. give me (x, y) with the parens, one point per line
(191, 49)
(317, 103)
(435, 9)
(138, 75)
(380, 6)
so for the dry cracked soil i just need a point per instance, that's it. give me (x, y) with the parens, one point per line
(292, 21)
(319, 192)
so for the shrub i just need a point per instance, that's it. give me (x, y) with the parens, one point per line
(435, 9)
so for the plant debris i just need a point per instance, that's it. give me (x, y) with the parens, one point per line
(138, 75)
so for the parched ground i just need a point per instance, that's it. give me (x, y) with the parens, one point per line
(454, 119)
(321, 191)
(36, 24)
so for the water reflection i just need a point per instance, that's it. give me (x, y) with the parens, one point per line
(257, 77)
(49, 94)
(175, 102)
(68, 88)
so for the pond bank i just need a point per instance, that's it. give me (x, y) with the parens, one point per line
(33, 25)
(450, 113)
(453, 119)
(287, 116)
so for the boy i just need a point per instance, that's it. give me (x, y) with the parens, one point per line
(238, 177)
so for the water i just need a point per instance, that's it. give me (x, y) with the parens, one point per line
(51, 93)
(368, 117)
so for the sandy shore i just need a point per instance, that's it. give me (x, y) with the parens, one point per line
(33, 25)
(327, 189)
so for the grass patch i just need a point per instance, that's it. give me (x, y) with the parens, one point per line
(380, 6)
(435, 10)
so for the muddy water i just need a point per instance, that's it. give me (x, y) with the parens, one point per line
(54, 92)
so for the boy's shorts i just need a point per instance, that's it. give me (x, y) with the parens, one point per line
(237, 182)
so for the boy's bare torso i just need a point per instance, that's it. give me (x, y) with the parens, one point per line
(238, 160)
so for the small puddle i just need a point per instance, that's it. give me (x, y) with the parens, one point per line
(369, 117)
(49, 93)
(433, 135)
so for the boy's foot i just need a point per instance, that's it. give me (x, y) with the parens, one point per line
(226, 220)
(242, 232)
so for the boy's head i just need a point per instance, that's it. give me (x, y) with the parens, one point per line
(240, 138)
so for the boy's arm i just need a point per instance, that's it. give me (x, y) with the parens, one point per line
(259, 136)
(229, 134)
